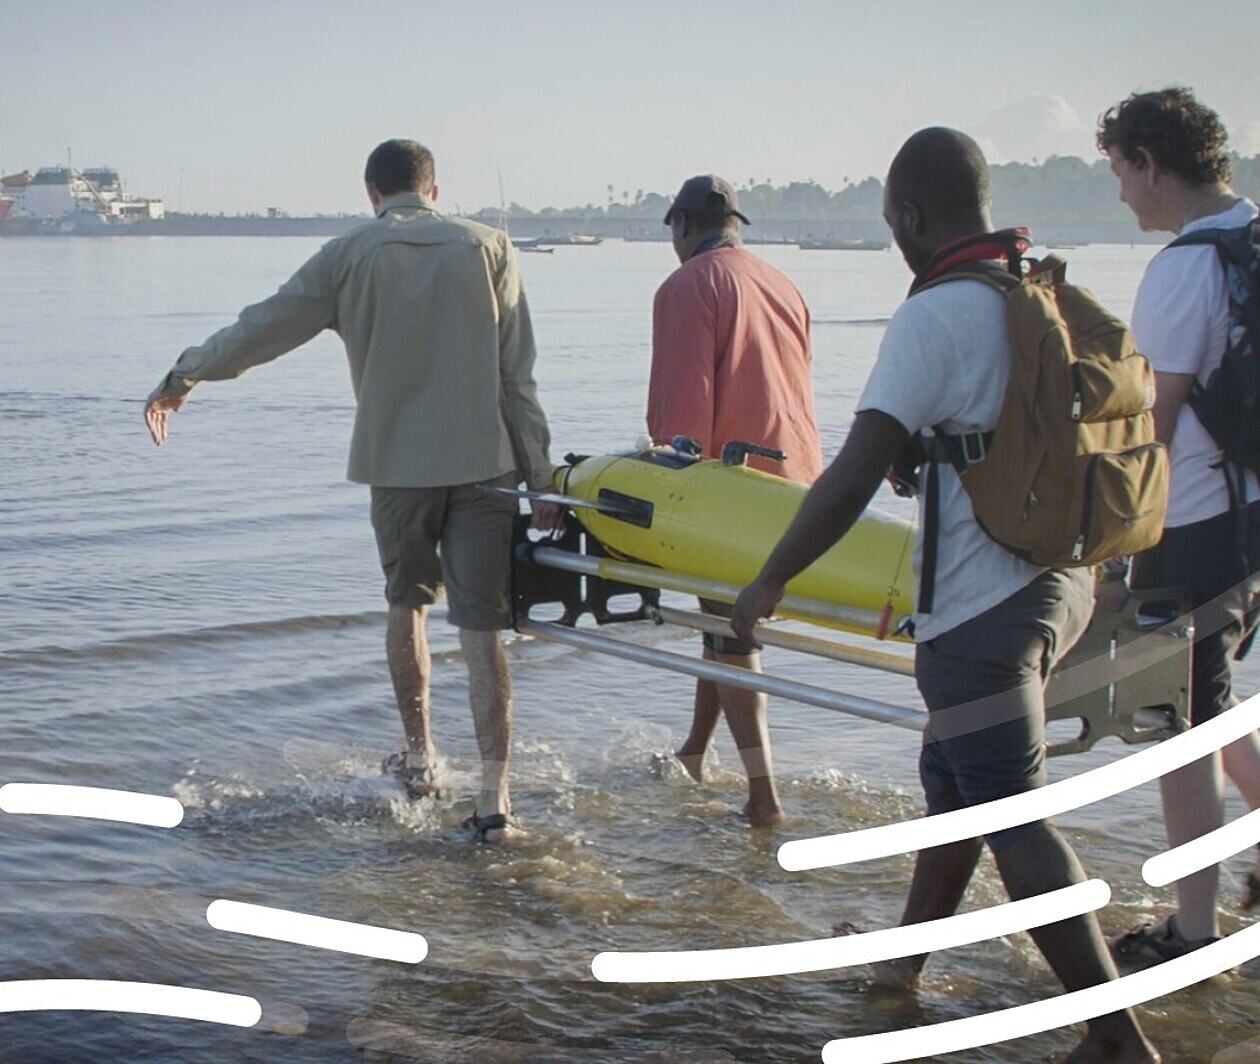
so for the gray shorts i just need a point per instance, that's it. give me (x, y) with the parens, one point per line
(723, 644)
(1218, 562)
(455, 537)
(984, 686)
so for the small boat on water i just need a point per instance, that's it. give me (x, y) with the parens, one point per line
(530, 244)
(570, 240)
(830, 243)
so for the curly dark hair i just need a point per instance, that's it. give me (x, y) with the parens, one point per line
(1183, 136)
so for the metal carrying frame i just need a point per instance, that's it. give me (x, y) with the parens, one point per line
(1128, 676)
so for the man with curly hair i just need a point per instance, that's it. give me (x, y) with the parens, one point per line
(1168, 152)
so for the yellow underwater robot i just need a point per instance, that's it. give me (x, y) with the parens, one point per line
(718, 520)
(665, 518)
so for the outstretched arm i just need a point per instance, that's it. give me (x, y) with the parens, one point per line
(304, 306)
(833, 504)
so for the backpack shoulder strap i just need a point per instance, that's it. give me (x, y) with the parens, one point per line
(1238, 250)
(941, 447)
(1239, 246)
(1214, 237)
(996, 277)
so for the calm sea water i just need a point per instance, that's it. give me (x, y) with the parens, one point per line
(205, 621)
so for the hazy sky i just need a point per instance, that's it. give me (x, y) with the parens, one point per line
(239, 106)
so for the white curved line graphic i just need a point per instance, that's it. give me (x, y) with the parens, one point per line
(818, 955)
(1203, 852)
(1052, 800)
(109, 995)
(1048, 1015)
(384, 943)
(99, 803)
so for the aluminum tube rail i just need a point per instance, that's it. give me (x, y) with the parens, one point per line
(771, 637)
(649, 576)
(729, 675)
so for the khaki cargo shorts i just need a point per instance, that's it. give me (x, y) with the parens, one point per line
(456, 537)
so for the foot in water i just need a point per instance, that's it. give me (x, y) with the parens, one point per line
(1098, 1050)
(1151, 944)
(899, 976)
(414, 772)
(1251, 892)
(759, 815)
(692, 761)
(494, 828)
(665, 766)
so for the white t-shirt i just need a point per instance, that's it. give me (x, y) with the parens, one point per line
(1181, 324)
(945, 360)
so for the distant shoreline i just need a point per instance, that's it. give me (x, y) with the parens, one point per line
(1063, 199)
(763, 231)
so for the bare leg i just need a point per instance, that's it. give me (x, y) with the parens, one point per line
(1241, 760)
(746, 716)
(407, 651)
(1032, 863)
(940, 880)
(490, 695)
(1035, 861)
(704, 718)
(1194, 804)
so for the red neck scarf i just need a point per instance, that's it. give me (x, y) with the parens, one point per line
(1007, 244)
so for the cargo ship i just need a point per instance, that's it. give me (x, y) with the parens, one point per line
(62, 200)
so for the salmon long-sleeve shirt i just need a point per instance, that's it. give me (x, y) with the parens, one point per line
(731, 361)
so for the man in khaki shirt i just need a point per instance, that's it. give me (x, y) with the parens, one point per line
(437, 331)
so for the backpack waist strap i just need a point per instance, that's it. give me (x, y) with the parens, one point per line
(960, 451)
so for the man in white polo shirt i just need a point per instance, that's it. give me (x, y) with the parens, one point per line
(1169, 153)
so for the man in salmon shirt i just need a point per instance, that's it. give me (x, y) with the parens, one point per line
(731, 361)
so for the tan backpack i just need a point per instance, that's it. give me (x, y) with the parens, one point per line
(1072, 474)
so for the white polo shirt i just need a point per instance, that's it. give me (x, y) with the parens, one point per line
(1181, 324)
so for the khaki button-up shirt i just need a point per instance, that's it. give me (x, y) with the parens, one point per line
(437, 331)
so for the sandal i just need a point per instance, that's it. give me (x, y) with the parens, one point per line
(1251, 893)
(1155, 943)
(416, 776)
(481, 825)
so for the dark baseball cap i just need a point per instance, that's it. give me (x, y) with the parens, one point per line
(706, 192)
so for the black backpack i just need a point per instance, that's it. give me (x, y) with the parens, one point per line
(1228, 406)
